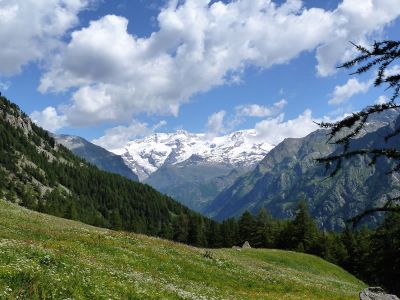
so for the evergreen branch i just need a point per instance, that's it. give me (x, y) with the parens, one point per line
(356, 220)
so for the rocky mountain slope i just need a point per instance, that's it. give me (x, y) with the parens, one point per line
(193, 168)
(96, 155)
(194, 182)
(290, 173)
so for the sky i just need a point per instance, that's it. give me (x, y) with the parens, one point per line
(116, 70)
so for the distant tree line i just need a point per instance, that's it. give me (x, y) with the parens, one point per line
(372, 255)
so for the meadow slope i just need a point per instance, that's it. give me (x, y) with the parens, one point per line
(44, 257)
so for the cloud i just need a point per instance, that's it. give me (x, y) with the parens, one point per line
(275, 130)
(271, 131)
(119, 136)
(199, 45)
(393, 70)
(4, 85)
(215, 123)
(355, 21)
(31, 29)
(49, 119)
(382, 100)
(352, 87)
(260, 111)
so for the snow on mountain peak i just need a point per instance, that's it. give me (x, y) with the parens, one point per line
(238, 149)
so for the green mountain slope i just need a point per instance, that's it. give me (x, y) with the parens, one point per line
(289, 173)
(40, 174)
(45, 257)
(96, 155)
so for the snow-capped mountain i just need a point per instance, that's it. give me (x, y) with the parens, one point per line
(238, 149)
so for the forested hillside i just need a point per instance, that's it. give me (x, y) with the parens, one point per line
(40, 174)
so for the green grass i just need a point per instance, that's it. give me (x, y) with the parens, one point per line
(44, 257)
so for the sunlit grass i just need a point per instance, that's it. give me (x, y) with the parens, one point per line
(43, 257)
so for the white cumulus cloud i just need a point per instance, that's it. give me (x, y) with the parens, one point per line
(356, 21)
(392, 70)
(382, 100)
(49, 119)
(352, 87)
(117, 137)
(200, 45)
(255, 110)
(275, 130)
(30, 29)
(215, 123)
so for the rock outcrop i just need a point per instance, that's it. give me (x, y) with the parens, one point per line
(376, 293)
(246, 245)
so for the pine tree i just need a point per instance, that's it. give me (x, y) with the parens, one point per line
(181, 228)
(302, 231)
(385, 254)
(71, 212)
(230, 232)
(195, 234)
(214, 235)
(265, 230)
(247, 226)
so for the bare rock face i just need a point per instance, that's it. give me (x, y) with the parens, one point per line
(376, 293)
(246, 245)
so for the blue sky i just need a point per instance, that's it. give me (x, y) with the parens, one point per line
(112, 71)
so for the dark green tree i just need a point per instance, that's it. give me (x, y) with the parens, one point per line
(247, 227)
(181, 228)
(196, 231)
(265, 230)
(71, 212)
(385, 254)
(214, 235)
(230, 232)
(302, 232)
(115, 219)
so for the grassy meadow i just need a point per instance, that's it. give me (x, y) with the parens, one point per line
(44, 257)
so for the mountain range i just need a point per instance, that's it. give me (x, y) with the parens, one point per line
(193, 168)
(239, 149)
(223, 177)
(41, 174)
(289, 173)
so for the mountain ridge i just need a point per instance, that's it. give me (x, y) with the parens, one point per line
(40, 174)
(147, 155)
(96, 155)
(289, 173)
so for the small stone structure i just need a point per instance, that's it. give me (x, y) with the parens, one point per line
(246, 245)
(376, 293)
